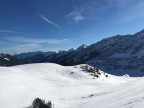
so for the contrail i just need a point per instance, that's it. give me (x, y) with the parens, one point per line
(50, 22)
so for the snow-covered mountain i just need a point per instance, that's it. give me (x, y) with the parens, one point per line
(116, 55)
(74, 57)
(9, 60)
(83, 46)
(68, 87)
(34, 57)
(121, 54)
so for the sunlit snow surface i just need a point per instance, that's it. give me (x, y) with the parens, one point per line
(67, 87)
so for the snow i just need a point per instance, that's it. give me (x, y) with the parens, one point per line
(7, 59)
(67, 87)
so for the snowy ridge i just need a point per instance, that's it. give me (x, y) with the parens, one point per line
(117, 55)
(35, 57)
(67, 87)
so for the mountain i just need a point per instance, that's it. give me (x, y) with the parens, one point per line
(83, 46)
(9, 60)
(74, 57)
(34, 57)
(118, 55)
(121, 54)
(68, 87)
(70, 57)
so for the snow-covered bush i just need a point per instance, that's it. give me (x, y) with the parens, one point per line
(39, 103)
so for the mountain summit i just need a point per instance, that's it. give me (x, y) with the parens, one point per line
(82, 47)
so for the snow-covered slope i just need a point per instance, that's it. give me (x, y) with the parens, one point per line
(68, 87)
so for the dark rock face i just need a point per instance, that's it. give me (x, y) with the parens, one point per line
(75, 57)
(34, 57)
(9, 60)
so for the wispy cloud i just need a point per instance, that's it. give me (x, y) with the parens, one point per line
(76, 16)
(7, 31)
(22, 44)
(123, 10)
(21, 48)
(129, 10)
(35, 41)
(86, 10)
(50, 22)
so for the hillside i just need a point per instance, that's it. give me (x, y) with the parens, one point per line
(68, 87)
(117, 55)
(33, 57)
(9, 60)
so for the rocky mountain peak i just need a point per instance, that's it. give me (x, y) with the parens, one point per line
(82, 47)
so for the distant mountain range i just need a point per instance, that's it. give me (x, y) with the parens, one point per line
(116, 55)
(34, 57)
(70, 57)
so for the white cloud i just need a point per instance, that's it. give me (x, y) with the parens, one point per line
(36, 41)
(22, 44)
(123, 10)
(131, 13)
(7, 31)
(86, 10)
(21, 48)
(76, 16)
(50, 22)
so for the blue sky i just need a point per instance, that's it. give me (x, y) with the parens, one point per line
(44, 25)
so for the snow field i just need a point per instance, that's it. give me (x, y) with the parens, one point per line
(67, 87)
